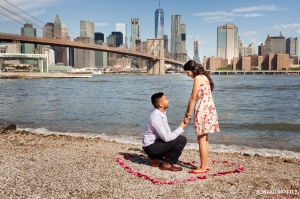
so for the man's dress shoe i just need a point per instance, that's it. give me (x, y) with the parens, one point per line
(169, 167)
(153, 162)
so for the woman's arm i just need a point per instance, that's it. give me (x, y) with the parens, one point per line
(198, 81)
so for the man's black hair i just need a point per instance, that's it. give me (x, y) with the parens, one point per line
(155, 98)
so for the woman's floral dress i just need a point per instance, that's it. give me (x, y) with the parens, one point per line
(205, 113)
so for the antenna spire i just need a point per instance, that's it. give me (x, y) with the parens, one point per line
(159, 4)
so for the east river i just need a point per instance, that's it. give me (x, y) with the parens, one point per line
(256, 112)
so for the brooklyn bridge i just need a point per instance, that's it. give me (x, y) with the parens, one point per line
(10, 31)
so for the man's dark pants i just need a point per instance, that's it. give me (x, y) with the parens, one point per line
(160, 147)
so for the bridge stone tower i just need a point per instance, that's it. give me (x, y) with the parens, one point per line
(156, 48)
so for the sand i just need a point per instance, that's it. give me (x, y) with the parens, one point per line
(56, 166)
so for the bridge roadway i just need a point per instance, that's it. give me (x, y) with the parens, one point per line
(78, 44)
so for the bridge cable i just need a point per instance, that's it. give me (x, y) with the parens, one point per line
(23, 11)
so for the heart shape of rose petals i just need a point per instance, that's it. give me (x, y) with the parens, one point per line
(119, 160)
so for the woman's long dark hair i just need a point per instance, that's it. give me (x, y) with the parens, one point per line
(198, 70)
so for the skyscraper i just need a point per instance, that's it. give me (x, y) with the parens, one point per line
(119, 38)
(85, 58)
(135, 33)
(30, 31)
(175, 34)
(111, 40)
(100, 56)
(86, 29)
(196, 54)
(48, 30)
(183, 38)
(99, 36)
(57, 28)
(275, 44)
(122, 27)
(292, 46)
(166, 43)
(227, 41)
(261, 49)
(65, 32)
(159, 23)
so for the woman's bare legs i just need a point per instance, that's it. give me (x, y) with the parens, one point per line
(203, 151)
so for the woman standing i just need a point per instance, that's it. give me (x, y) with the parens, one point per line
(205, 114)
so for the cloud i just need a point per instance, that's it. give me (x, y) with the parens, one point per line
(247, 12)
(36, 13)
(223, 13)
(101, 24)
(256, 8)
(298, 31)
(249, 33)
(216, 19)
(287, 26)
(253, 15)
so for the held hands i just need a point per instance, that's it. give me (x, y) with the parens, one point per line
(184, 123)
(188, 116)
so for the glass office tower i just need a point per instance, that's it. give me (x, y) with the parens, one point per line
(122, 27)
(159, 23)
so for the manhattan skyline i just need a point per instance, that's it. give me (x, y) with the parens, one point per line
(255, 19)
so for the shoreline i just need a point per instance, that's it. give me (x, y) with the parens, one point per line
(266, 152)
(62, 166)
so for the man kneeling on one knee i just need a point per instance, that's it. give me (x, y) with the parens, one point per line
(159, 142)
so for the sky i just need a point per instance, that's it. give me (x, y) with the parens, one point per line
(254, 19)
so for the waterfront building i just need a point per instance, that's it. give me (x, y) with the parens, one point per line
(227, 41)
(29, 31)
(196, 54)
(212, 63)
(124, 62)
(119, 38)
(50, 52)
(12, 48)
(166, 43)
(183, 38)
(275, 44)
(159, 23)
(292, 46)
(87, 29)
(99, 36)
(135, 38)
(176, 34)
(261, 49)
(122, 27)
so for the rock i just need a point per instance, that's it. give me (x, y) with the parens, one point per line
(256, 155)
(11, 127)
(287, 160)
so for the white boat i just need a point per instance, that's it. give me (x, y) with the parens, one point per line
(97, 72)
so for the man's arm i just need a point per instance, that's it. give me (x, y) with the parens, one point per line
(163, 130)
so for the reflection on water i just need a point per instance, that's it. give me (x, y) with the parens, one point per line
(258, 111)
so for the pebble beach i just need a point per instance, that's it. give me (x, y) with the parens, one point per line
(63, 166)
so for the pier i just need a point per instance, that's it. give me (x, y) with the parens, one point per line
(254, 72)
(24, 75)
